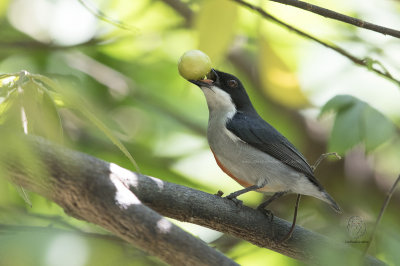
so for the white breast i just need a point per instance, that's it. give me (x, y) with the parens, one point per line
(219, 103)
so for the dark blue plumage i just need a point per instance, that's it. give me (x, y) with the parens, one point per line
(253, 130)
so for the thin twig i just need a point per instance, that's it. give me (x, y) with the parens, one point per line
(313, 167)
(290, 233)
(340, 17)
(383, 208)
(361, 62)
(89, 6)
(322, 157)
(182, 9)
(47, 229)
(52, 219)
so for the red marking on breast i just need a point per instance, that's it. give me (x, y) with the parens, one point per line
(226, 171)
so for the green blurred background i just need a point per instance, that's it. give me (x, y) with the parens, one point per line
(119, 58)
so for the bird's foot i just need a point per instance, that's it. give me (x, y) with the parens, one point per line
(287, 237)
(270, 216)
(233, 198)
(268, 213)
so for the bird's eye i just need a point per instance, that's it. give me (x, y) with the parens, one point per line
(232, 83)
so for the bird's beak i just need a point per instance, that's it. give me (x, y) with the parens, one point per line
(209, 81)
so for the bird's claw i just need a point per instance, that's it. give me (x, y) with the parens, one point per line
(268, 213)
(231, 196)
(235, 200)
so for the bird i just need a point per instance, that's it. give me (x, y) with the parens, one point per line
(249, 149)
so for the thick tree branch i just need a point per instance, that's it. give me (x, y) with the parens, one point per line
(340, 17)
(93, 190)
(97, 191)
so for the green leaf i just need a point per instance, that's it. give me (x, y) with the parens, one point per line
(337, 103)
(356, 122)
(215, 24)
(38, 108)
(108, 132)
(346, 131)
(73, 101)
(21, 191)
(7, 104)
(377, 128)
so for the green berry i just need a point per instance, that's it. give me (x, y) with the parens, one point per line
(194, 65)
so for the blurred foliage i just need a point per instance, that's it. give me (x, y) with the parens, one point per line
(212, 24)
(356, 122)
(279, 81)
(74, 74)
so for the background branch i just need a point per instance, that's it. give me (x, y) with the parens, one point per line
(49, 229)
(366, 62)
(51, 219)
(340, 17)
(96, 191)
(182, 9)
(383, 208)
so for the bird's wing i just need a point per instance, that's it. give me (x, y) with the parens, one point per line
(253, 130)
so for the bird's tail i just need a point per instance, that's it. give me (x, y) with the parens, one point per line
(328, 199)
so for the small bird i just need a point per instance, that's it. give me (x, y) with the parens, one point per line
(250, 150)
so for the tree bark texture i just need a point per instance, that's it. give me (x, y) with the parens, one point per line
(129, 205)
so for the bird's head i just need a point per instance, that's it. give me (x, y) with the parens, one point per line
(224, 91)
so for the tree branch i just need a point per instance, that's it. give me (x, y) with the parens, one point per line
(96, 191)
(366, 62)
(182, 9)
(93, 190)
(340, 17)
(40, 229)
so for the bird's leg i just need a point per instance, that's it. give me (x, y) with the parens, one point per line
(271, 199)
(262, 206)
(290, 233)
(233, 196)
(242, 191)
